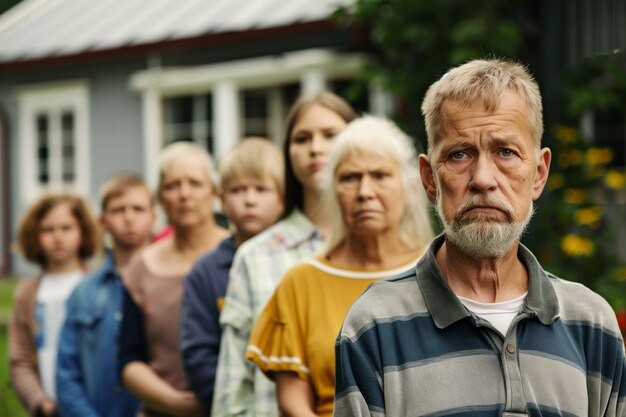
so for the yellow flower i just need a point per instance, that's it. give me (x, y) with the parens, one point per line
(588, 215)
(621, 273)
(595, 172)
(566, 134)
(574, 245)
(555, 181)
(599, 156)
(567, 158)
(574, 196)
(615, 179)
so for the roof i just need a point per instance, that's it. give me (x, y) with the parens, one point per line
(40, 29)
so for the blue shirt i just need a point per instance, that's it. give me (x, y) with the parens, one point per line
(200, 331)
(87, 381)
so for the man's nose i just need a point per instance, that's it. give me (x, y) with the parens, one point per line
(483, 175)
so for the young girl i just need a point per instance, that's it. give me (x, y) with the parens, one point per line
(58, 233)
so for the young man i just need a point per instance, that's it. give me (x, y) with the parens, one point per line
(87, 381)
(252, 199)
(478, 328)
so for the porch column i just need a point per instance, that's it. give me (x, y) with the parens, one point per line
(380, 101)
(313, 81)
(226, 132)
(152, 135)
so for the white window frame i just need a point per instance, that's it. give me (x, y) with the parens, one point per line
(311, 68)
(53, 99)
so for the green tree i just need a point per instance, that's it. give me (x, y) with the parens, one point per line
(573, 234)
(414, 42)
(7, 4)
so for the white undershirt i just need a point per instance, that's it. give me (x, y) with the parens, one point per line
(500, 315)
(53, 292)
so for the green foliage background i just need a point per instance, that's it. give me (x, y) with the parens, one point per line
(9, 404)
(577, 222)
(414, 42)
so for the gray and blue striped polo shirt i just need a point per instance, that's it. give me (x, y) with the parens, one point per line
(408, 347)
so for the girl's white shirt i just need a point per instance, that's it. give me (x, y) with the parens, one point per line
(52, 294)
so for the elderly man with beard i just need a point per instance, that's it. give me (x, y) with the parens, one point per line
(478, 328)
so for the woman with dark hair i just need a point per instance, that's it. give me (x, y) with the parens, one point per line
(311, 126)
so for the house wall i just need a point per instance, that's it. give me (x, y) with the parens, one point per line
(115, 128)
(115, 111)
(4, 195)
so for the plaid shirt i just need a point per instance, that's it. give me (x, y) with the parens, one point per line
(259, 264)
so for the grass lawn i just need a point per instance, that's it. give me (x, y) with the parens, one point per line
(9, 404)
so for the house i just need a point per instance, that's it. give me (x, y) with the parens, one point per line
(89, 88)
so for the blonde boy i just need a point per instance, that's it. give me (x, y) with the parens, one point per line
(252, 188)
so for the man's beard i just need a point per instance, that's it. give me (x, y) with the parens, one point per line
(481, 236)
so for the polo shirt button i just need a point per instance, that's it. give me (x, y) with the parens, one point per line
(118, 316)
(510, 348)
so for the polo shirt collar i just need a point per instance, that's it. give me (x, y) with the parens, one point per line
(445, 307)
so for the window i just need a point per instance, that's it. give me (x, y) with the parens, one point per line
(67, 147)
(54, 145)
(262, 112)
(189, 118)
(255, 113)
(43, 149)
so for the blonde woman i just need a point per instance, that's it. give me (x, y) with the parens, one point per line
(149, 354)
(379, 227)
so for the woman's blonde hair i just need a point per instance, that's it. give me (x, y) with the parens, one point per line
(371, 135)
(486, 81)
(178, 150)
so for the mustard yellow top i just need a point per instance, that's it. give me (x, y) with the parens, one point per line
(297, 329)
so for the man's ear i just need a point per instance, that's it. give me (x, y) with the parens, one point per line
(428, 179)
(543, 169)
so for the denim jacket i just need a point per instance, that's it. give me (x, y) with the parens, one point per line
(86, 378)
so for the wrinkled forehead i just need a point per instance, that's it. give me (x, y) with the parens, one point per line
(366, 157)
(510, 114)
